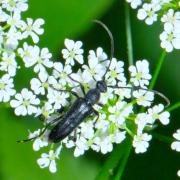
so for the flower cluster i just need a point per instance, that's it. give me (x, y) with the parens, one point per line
(14, 30)
(117, 115)
(169, 14)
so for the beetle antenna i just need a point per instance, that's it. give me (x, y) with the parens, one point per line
(30, 139)
(42, 131)
(154, 91)
(112, 43)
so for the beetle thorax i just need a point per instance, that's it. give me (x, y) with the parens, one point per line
(93, 96)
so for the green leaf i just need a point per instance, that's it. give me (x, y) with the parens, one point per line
(65, 18)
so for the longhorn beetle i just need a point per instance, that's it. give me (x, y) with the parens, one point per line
(82, 108)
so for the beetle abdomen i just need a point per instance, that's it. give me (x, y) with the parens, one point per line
(77, 113)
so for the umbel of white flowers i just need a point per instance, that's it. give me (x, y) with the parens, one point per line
(169, 12)
(117, 118)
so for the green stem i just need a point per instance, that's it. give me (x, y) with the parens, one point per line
(124, 160)
(157, 71)
(5, 27)
(128, 34)
(5, 50)
(129, 132)
(173, 107)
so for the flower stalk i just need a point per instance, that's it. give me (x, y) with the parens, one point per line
(128, 34)
(157, 70)
(174, 107)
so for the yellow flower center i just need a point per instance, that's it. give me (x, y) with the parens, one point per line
(72, 54)
(26, 103)
(2, 86)
(138, 76)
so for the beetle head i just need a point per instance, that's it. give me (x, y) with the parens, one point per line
(101, 85)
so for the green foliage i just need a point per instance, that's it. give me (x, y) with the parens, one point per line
(65, 18)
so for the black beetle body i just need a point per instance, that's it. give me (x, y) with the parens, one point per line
(79, 111)
(82, 107)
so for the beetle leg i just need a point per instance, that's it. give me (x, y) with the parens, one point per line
(97, 114)
(82, 89)
(43, 130)
(41, 117)
(74, 138)
(101, 105)
(81, 86)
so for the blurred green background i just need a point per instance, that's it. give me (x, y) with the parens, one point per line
(72, 19)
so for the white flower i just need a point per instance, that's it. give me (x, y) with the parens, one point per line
(170, 39)
(39, 142)
(48, 160)
(81, 146)
(8, 63)
(119, 112)
(141, 142)
(57, 98)
(105, 144)
(61, 72)
(32, 29)
(102, 123)
(14, 20)
(122, 91)
(148, 12)
(42, 59)
(115, 72)
(27, 54)
(144, 98)
(99, 55)
(84, 78)
(13, 38)
(6, 88)
(39, 85)
(140, 73)
(15, 5)
(34, 55)
(134, 3)
(156, 112)
(87, 130)
(176, 144)
(3, 16)
(73, 52)
(118, 136)
(106, 96)
(25, 103)
(171, 18)
(46, 111)
(141, 120)
(54, 84)
(96, 68)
